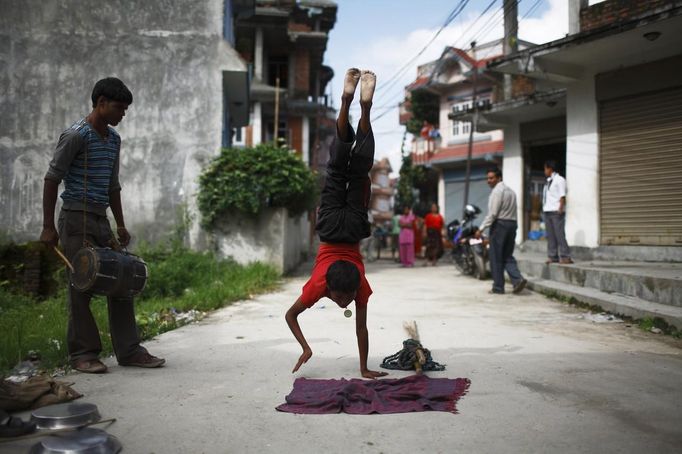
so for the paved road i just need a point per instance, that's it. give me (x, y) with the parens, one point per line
(543, 379)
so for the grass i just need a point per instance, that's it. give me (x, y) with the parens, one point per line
(180, 280)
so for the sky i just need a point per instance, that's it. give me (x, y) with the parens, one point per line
(384, 35)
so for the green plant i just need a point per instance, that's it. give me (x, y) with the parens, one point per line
(424, 106)
(180, 280)
(248, 180)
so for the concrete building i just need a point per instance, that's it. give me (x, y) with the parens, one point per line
(190, 90)
(284, 43)
(607, 105)
(444, 150)
(381, 202)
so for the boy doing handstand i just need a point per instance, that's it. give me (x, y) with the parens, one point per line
(339, 273)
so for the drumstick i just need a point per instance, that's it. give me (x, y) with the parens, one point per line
(64, 259)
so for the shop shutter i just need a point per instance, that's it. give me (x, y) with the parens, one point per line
(641, 169)
(454, 199)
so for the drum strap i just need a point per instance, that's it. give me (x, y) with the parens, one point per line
(85, 197)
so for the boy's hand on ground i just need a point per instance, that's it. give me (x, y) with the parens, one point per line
(373, 374)
(305, 356)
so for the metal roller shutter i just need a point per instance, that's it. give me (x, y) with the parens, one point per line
(641, 169)
(454, 199)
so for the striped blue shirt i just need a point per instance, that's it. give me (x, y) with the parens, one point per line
(78, 143)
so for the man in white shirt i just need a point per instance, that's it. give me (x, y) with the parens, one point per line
(554, 210)
(501, 220)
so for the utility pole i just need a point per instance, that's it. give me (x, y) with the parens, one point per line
(511, 41)
(276, 139)
(472, 127)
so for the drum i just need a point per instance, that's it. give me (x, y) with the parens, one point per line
(103, 271)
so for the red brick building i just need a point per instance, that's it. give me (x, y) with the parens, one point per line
(283, 43)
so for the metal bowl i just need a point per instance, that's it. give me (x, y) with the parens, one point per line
(82, 441)
(65, 416)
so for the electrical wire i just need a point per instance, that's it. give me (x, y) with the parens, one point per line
(451, 17)
(480, 33)
(532, 9)
(395, 77)
(457, 43)
(493, 22)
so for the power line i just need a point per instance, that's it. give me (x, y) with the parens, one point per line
(480, 33)
(385, 112)
(493, 21)
(453, 14)
(487, 8)
(532, 9)
(481, 14)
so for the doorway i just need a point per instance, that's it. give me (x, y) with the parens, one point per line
(535, 156)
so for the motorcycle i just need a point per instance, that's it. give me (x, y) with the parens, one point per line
(469, 254)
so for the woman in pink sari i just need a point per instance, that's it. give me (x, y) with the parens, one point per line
(406, 237)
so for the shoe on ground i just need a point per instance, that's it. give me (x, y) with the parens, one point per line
(495, 292)
(550, 261)
(144, 359)
(90, 366)
(566, 261)
(11, 426)
(518, 288)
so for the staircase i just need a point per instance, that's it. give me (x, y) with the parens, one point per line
(637, 289)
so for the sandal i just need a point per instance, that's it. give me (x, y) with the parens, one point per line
(15, 427)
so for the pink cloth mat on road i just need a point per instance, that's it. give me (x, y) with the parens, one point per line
(364, 397)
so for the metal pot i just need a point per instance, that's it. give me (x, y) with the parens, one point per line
(65, 416)
(82, 441)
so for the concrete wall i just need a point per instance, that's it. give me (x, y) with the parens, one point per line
(582, 164)
(271, 237)
(171, 55)
(512, 170)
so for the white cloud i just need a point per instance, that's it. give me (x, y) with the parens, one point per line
(386, 55)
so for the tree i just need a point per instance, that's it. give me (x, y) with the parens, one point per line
(410, 177)
(424, 106)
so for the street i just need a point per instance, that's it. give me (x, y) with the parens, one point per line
(543, 379)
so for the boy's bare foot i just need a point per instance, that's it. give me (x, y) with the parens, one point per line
(350, 82)
(368, 82)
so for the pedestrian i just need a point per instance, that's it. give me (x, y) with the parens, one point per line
(501, 220)
(395, 236)
(339, 273)
(407, 235)
(554, 212)
(87, 160)
(417, 227)
(368, 245)
(433, 224)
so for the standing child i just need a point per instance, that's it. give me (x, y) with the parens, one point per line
(87, 160)
(339, 273)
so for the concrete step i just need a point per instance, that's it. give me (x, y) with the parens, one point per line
(619, 252)
(623, 305)
(650, 281)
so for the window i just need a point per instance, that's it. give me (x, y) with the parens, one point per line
(282, 132)
(461, 128)
(278, 67)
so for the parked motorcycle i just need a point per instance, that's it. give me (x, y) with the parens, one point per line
(469, 254)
